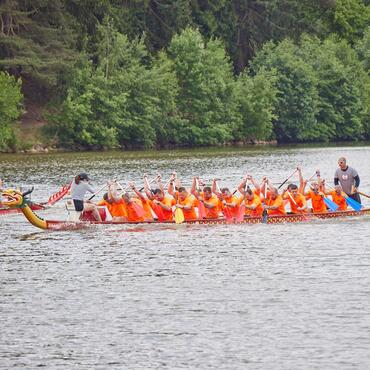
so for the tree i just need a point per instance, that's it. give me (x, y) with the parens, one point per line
(297, 96)
(256, 99)
(10, 104)
(35, 43)
(205, 103)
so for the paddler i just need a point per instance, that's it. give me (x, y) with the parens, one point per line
(160, 203)
(210, 201)
(114, 203)
(297, 201)
(274, 203)
(81, 186)
(186, 202)
(337, 195)
(316, 196)
(253, 203)
(144, 202)
(229, 202)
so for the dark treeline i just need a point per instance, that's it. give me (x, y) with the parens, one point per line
(145, 73)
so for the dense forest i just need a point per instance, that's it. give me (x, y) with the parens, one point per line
(152, 73)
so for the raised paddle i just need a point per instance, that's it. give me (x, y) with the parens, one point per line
(139, 210)
(201, 208)
(226, 210)
(158, 210)
(287, 179)
(98, 191)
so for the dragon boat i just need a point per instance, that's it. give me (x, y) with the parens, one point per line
(16, 200)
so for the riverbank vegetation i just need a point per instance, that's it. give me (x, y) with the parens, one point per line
(150, 73)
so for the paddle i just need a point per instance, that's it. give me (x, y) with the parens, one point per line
(139, 210)
(201, 208)
(148, 183)
(287, 179)
(264, 212)
(226, 210)
(156, 207)
(179, 216)
(329, 203)
(241, 210)
(365, 195)
(350, 202)
(98, 191)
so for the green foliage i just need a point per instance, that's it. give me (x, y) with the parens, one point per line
(350, 18)
(35, 42)
(297, 97)
(256, 99)
(205, 102)
(10, 104)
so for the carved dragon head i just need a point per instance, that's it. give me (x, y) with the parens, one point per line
(14, 198)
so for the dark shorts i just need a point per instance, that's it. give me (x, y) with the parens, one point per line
(79, 205)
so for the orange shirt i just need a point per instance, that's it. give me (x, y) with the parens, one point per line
(339, 199)
(189, 201)
(167, 201)
(147, 209)
(214, 201)
(131, 212)
(277, 202)
(116, 209)
(318, 203)
(256, 201)
(233, 210)
(300, 201)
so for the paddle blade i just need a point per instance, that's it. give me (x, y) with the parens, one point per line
(179, 216)
(138, 209)
(241, 213)
(354, 204)
(264, 216)
(227, 213)
(159, 212)
(201, 210)
(330, 204)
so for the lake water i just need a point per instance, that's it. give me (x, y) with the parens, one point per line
(290, 296)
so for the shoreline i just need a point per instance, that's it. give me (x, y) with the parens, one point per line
(44, 149)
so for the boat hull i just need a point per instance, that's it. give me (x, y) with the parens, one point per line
(289, 218)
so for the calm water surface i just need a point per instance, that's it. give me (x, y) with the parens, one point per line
(168, 297)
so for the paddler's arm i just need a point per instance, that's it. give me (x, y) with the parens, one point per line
(147, 189)
(193, 189)
(242, 185)
(137, 192)
(159, 183)
(171, 184)
(162, 205)
(263, 185)
(215, 189)
(277, 206)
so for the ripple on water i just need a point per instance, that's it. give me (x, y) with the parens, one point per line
(216, 296)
